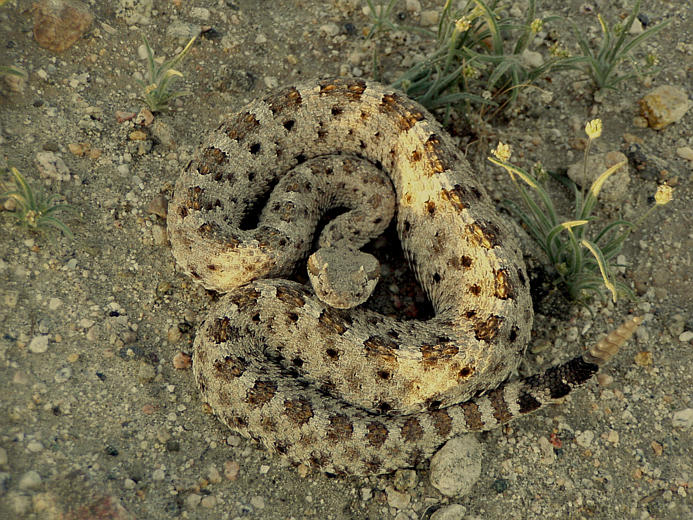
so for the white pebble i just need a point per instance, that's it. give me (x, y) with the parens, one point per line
(429, 17)
(532, 58)
(54, 304)
(329, 29)
(34, 446)
(39, 344)
(451, 512)
(200, 13)
(159, 235)
(686, 336)
(397, 499)
(209, 501)
(413, 6)
(128, 483)
(636, 27)
(142, 52)
(257, 502)
(685, 152)
(30, 480)
(584, 439)
(683, 418)
(456, 467)
(158, 474)
(193, 500)
(213, 475)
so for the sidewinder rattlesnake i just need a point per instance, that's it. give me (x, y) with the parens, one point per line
(348, 390)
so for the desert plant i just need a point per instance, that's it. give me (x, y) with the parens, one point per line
(12, 70)
(32, 210)
(472, 61)
(603, 64)
(584, 265)
(157, 89)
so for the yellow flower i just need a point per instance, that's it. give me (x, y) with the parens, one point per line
(536, 25)
(593, 129)
(558, 50)
(663, 195)
(470, 72)
(463, 24)
(502, 152)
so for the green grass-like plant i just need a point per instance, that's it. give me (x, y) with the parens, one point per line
(33, 210)
(603, 64)
(583, 259)
(12, 70)
(157, 89)
(475, 60)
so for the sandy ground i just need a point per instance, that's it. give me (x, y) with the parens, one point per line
(95, 421)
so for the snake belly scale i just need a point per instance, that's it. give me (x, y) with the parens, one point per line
(352, 391)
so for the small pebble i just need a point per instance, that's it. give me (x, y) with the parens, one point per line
(173, 334)
(30, 480)
(34, 446)
(397, 499)
(146, 372)
(405, 479)
(158, 206)
(657, 448)
(613, 437)
(584, 439)
(209, 501)
(159, 235)
(213, 475)
(193, 500)
(122, 116)
(643, 359)
(413, 6)
(685, 152)
(456, 467)
(683, 418)
(664, 105)
(200, 13)
(231, 469)
(329, 29)
(429, 17)
(158, 474)
(128, 483)
(686, 336)
(39, 344)
(604, 379)
(59, 24)
(182, 361)
(257, 502)
(451, 512)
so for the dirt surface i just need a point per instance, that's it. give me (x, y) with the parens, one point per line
(95, 421)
